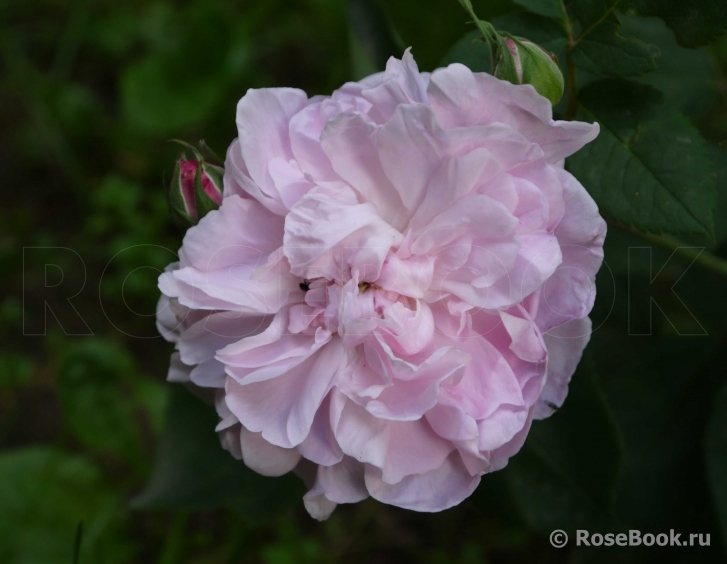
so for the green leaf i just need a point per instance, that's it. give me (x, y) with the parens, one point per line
(685, 76)
(604, 52)
(657, 394)
(95, 378)
(647, 168)
(156, 99)
(433, 28)
(44, 494)
(15, 370)
(695, 22)
(547, 8)
(472, 52)
(373, 31)
(716, 458)
(192, 470)
(566, 475)
(719, 158)
(590, 13)
(181, 79)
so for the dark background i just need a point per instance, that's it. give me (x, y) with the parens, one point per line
(90, 92)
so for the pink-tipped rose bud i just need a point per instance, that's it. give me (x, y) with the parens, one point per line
(523, 62)
(195, 190)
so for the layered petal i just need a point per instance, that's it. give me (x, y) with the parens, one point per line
(263, 118)
(330, 234)
(565, 347)
(462, 98)
(439, 489)
(283, 407)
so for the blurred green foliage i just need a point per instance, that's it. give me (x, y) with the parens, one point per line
(90, 92)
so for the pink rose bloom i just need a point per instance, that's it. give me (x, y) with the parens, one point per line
(396, 284)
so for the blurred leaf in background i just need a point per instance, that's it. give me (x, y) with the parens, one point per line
(106, 403)
(192, 471)
(44, 494)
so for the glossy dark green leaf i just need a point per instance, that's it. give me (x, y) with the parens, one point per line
(44, 494)
(716, 458)
(547, 8)
(695, 22)
(606, 52)
(566, 475)
(192, 470)
(647, 168)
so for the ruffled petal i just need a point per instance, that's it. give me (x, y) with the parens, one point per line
(501, 426)
(328, 233)
(401, 83)
(264, 458)
(570, 292)
(488, 383)
(436, 490)
(230, 261)
(203, 339)
(348, 141)
(340, 483)
(461, 98)
(320, 445)
(283, 408)
(263, 118)
(565, 347)
(398, 448)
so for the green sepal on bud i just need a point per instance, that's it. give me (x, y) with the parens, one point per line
(196, 187)
(519, 60)
(523, 62)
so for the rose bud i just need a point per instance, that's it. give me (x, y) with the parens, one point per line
(523, 62)
(195, 190)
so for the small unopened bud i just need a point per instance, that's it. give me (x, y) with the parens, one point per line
(523, 62)
(195, 190)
